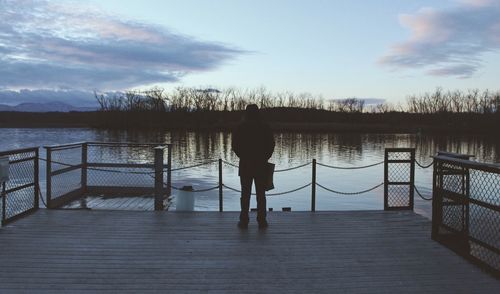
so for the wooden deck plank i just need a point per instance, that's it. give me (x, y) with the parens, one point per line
(203, 252)
(132, 204)
(115, 203)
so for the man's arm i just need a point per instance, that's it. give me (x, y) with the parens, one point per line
(235, 142)
(270, 142)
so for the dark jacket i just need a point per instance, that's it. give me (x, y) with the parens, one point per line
(253, 143)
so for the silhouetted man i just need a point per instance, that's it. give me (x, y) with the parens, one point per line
(253, 143)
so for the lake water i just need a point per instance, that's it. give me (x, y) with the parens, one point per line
(292, 149)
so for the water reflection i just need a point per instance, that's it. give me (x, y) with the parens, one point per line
(292, 149)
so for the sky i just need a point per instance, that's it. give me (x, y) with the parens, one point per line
(385, 49)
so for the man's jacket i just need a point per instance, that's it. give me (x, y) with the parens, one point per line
(253, 143)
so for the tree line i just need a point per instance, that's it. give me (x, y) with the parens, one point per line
(184, 99)
(471, 101)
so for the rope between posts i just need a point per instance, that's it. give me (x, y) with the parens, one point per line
(230, 163)
(349, 193)
(291, 168)
(271, 194)
(291, 191)
(424, 166)
(418, 193)
(195, 191)
(348, 167)
(193, 166)
(233, 189)
(41, 197)
(277, 170)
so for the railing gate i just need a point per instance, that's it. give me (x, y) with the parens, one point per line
(466, 208)
(20, 193)
(399, 178)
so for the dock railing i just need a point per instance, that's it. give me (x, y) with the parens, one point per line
(466, 208)
(20, 193)
(118, 169)
(108, 169)
(399, 178)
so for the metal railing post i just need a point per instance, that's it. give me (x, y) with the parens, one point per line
(4, 201)
(386, 179)
(466, 210)
(169, 170)
(435, 201)
(49, 177)
(221, 199)
(313, 186)
(412, 178)
(36, 177)
(158, 164)
(84, 167)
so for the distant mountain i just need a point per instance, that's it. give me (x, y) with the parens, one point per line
(45, 107)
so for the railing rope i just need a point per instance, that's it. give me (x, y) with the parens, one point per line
(196, 165)
(272, 194)
(349, 193)
(292, 168)
(420, 195)
(195, 191)
(230, 163)
(276, 171)
(349, 167)
(424, 166)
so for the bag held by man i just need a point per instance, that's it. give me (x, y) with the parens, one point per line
(269, 176)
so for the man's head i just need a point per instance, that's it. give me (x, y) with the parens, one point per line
(252, 112)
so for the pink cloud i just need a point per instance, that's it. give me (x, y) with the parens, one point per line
(448, 42)
(480, 3)
(68, 44)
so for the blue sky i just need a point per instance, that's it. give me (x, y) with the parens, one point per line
(382, 49)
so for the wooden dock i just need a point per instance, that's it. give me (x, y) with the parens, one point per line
(113, 203)
(203, 252)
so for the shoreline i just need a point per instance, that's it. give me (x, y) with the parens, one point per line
(288, 120)
(278, 127)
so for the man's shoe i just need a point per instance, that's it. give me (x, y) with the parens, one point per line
(242, 225)
(263, 225)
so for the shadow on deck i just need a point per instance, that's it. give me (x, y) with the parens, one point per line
(204, 252)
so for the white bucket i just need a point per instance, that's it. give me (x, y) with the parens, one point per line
(185, 199)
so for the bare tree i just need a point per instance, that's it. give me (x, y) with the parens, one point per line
(102, 100)
(156, 100)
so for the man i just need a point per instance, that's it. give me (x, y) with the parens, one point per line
(253, 143)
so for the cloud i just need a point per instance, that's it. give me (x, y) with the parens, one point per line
(67, 44)
(448, 42)
(478, 3)
(460, 71)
